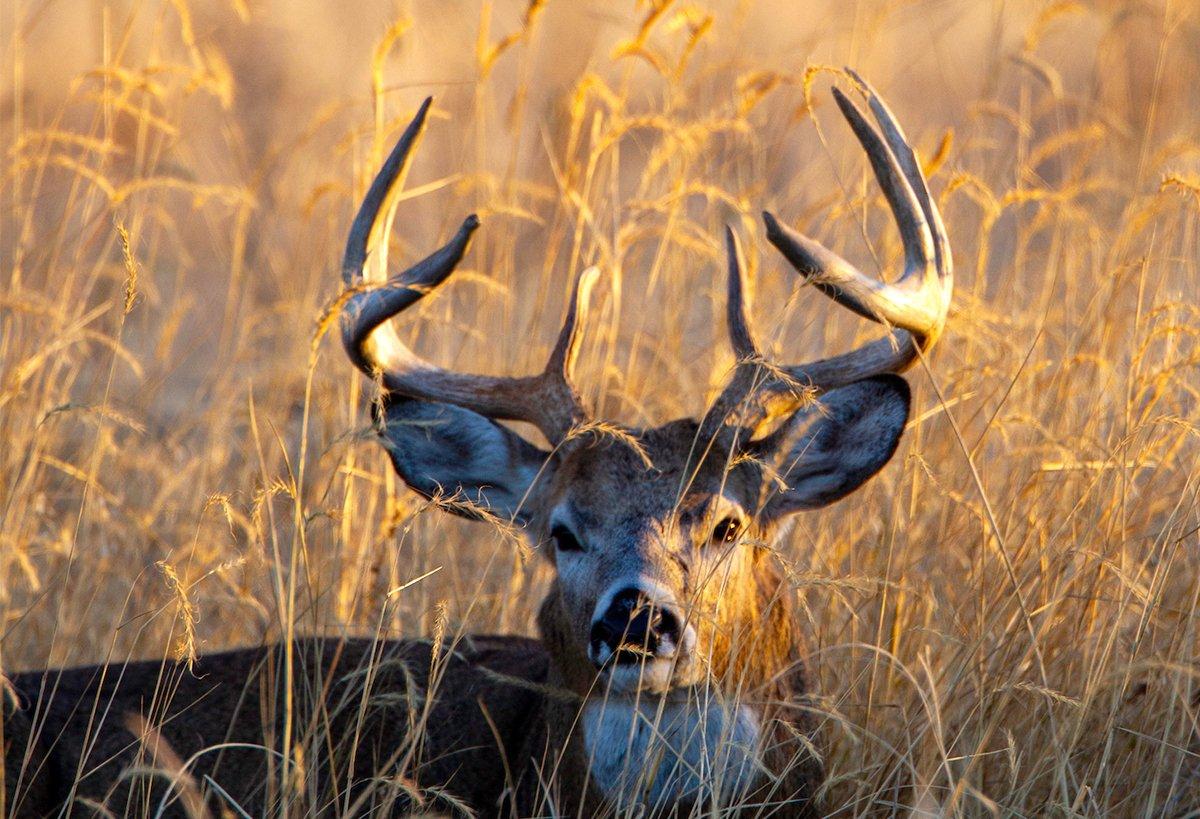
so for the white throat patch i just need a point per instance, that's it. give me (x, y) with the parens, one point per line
(656, 753)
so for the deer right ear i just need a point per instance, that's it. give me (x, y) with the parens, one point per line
(459, 456)
(827, 450)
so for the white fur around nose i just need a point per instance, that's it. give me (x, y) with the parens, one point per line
(690, 750)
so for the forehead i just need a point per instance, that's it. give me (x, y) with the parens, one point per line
(667, 472)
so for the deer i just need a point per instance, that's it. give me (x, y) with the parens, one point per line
(669, 676)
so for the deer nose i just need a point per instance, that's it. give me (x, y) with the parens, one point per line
(634, 628)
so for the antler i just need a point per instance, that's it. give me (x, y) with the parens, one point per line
(547, 400)
(915, 305)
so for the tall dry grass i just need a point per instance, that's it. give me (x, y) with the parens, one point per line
(1004, 622)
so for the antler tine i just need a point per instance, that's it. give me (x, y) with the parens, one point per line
(547, 400)
(918, 301)
(741, 338)
(736, 314)
(366, 230)
(566, 349)
(368, 338)
(915, 306)
(556, 382)
(912, 171)
(896, 187)
(905, 303)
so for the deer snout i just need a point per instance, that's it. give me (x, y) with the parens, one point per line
(633, 628)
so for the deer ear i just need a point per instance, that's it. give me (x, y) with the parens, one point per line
(827, 450)
(473, 463)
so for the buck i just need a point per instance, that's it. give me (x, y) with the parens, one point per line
(669, 677)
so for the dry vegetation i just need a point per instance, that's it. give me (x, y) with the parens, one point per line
(1004, 622)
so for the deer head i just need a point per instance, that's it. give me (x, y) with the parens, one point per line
(659, 536)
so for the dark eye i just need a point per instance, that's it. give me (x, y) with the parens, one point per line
(726, 531)
(564, 540)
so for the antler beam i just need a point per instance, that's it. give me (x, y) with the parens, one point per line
(548, 400)
(914, 307)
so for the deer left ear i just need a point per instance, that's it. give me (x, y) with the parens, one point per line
(827, 450)
(475, 465)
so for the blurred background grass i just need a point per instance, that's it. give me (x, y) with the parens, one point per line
(186, 461)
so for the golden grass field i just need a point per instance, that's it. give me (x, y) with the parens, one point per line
(1005, 622)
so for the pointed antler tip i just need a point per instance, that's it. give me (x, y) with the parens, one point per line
(580, 298)
(843, 101)
(587, 280)
(422, 111)
(733, 256)
(772, 224)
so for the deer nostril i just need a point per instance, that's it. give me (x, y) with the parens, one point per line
(603, 635)
(666, 624)
(633, 628)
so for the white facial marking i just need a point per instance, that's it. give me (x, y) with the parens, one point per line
(602, 657)
(653, 676)
(691, 750)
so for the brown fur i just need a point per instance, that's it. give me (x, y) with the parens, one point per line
(357, 703)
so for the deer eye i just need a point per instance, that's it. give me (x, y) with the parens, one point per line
(726, 531)
(565, 540)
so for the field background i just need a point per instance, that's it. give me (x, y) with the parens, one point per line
(186, 461)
